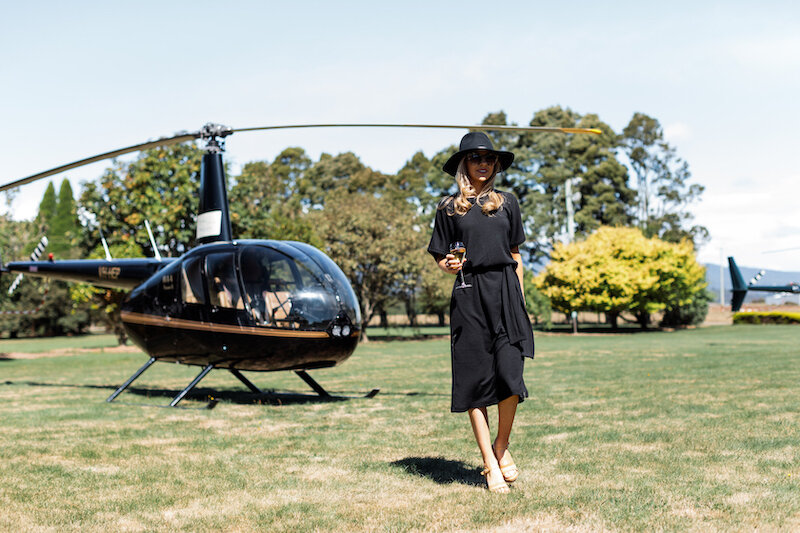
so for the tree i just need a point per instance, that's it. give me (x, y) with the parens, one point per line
(690, 314)
(55, 314)
(343, 171)
(161, 186)
(47, 207)
(423, 183)
(64, 225)
(264, 203)
(619, 269)
(374, 241)
(664, 194)
(536, 303)
(435, 289)
(15, 239)
(104, 304)
(553, 171)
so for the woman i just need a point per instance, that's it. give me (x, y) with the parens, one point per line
(490, 330)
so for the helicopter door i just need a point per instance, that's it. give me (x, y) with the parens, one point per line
(167, 295)
(224, 295)
(268, 277)
(192, 292)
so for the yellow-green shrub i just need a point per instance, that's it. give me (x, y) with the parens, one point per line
(766, 317)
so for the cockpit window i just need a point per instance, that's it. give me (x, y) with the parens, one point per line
(192, 282)
(223, 289)
(278, 289)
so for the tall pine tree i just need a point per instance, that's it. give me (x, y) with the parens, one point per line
(64, 225)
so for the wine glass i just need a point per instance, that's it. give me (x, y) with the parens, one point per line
(460, 251)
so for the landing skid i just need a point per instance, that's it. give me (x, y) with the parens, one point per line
(325, 394)
(311, 382)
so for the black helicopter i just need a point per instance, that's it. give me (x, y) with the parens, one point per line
(740, 288)
(239, 305)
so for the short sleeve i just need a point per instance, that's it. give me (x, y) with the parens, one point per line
(516, 232)
(443, 232)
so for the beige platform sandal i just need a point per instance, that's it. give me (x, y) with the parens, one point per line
(500, 487)
(509, 470)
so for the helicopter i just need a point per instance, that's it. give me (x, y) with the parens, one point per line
(236, 305)
(740, 288)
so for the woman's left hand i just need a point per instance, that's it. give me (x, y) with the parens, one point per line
(450, 264)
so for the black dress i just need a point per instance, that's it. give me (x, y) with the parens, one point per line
(490, 332)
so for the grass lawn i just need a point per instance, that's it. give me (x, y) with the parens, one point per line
(689, 430)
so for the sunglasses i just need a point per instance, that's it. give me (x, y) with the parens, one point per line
(475, 157)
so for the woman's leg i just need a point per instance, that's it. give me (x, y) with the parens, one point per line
(480, 427)
(506, 410)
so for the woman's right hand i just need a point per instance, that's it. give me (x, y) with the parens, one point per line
(450, 264)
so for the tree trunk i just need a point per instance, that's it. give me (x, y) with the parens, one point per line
(119, 331)
(611, 318)
(366, 315)
(643, 318)
(411, 313)
(440, 314)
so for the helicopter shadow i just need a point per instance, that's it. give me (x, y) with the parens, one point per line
(440, 470)
(268, 397)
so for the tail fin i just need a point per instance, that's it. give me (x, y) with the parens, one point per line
(739, 286)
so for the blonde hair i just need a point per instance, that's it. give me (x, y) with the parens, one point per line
(492, 200)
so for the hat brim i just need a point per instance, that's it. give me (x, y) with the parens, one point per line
(504, 158)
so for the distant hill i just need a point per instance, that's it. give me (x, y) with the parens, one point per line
(770, 277)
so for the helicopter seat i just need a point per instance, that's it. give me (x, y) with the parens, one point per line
(279, 304)
(278, 301)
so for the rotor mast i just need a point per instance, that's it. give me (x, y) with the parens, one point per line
(213, 219)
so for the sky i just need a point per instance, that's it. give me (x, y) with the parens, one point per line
(723, 79)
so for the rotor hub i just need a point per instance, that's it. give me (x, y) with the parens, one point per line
(214, 135)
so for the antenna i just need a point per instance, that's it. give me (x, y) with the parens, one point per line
(105, 245)
(152, 240)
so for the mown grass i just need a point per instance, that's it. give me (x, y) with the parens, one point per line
(690, 430)
(61, 344)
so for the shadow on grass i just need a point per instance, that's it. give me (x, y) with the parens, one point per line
(269, 397)
(443, 471)
(416, 393)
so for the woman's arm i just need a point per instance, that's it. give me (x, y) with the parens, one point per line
(516, 256)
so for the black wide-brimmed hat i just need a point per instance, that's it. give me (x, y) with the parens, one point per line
(476, 140)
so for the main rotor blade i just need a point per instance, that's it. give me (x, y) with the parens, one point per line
(545, 129)
(225, 131)
(161, 142)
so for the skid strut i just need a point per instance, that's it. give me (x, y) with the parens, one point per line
(247, 382)
(192, 385)
(312, 383)
(131, 379)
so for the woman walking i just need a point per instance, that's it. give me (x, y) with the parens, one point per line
(476, 235)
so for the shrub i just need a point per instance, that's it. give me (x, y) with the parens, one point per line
(691, 314)
(771, 317)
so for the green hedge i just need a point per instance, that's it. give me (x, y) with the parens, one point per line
(772, 317)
